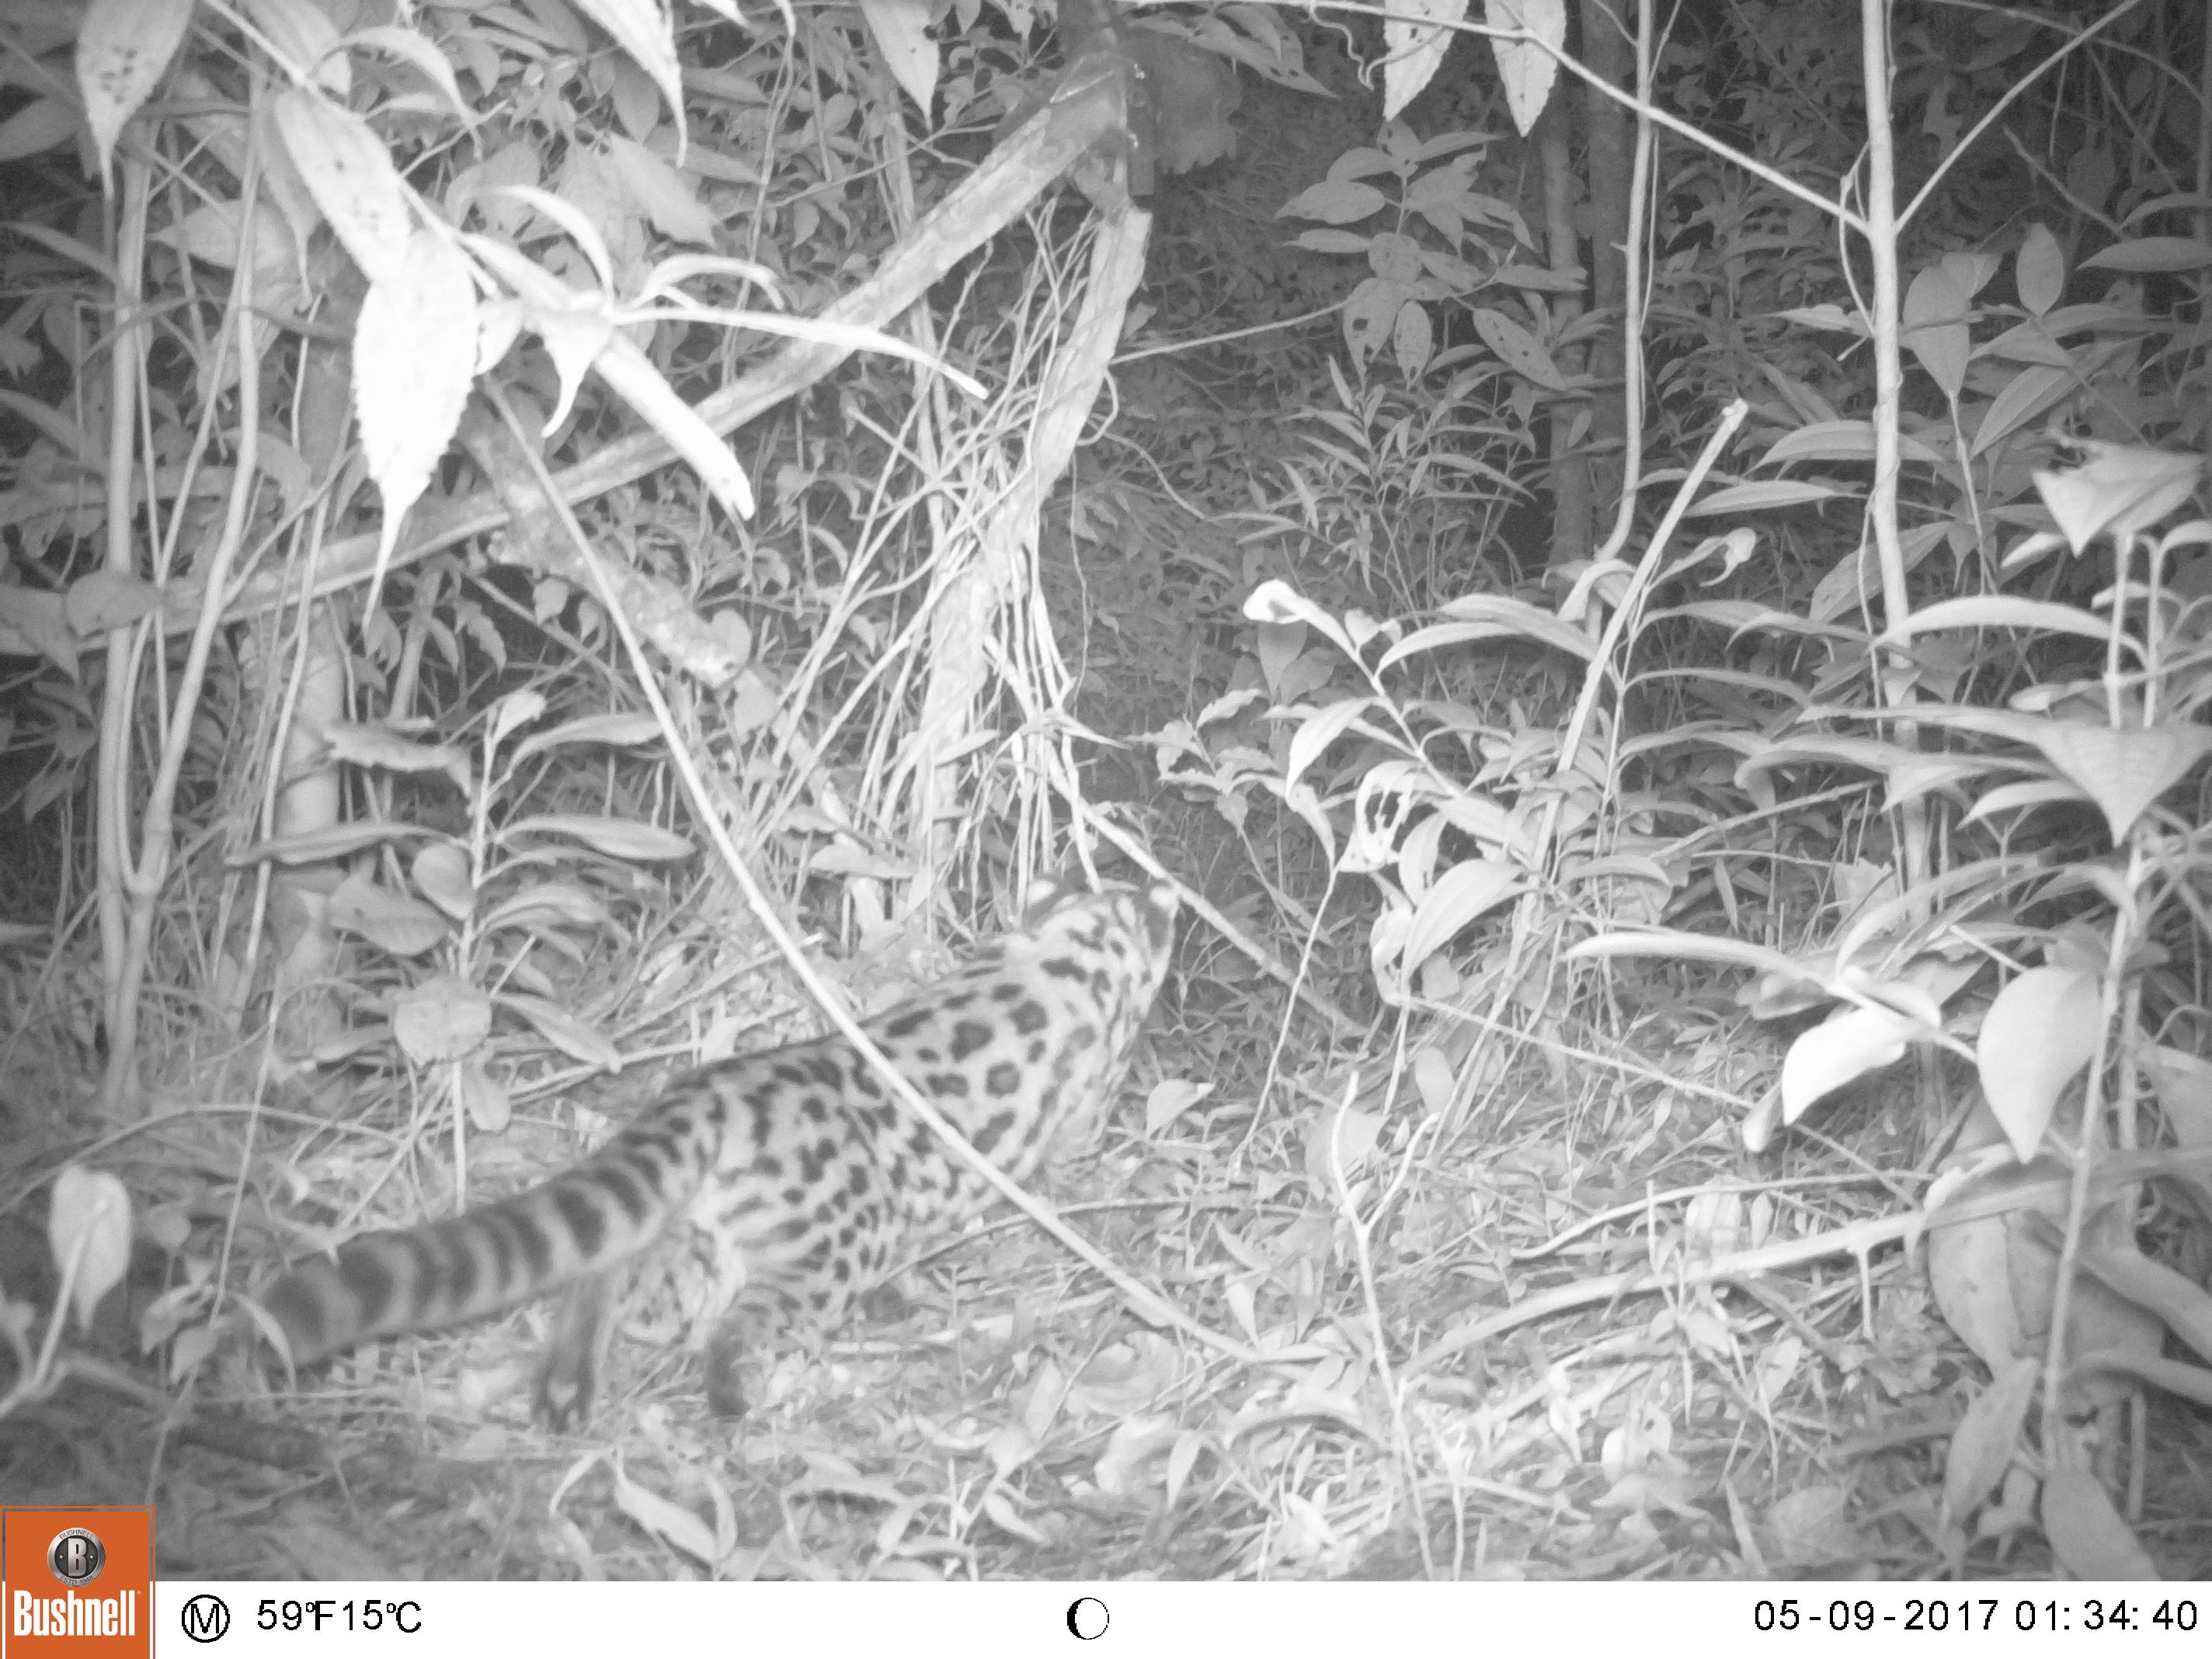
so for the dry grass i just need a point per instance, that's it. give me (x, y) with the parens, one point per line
(1011, 1421)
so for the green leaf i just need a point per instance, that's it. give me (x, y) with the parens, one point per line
(88, 1228)
(571, 1035)
(1463, 893)
(1839, 1051)
(1317, 730)
(621, 730)
(548, 904)
(1518, 619)
(394, 922)
(2002, 611)
(1334, 202)
(2039, 1032)
(443, 1018)
(618, 838)
(322, 846)
(357, 744)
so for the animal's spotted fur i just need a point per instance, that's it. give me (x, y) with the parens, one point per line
(807, 1175)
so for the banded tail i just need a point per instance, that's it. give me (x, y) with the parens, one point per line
(599, 1213)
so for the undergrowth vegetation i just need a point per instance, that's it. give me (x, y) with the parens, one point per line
(1693, 1040)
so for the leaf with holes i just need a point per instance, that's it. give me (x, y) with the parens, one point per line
(122, 47)
(349, 174)
(1518, 348)
(1416, 35)
(1525, 69)
(900, 28)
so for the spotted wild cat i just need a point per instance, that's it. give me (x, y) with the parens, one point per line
(808, 1178)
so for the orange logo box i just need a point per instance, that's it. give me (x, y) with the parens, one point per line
(77, 1583)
